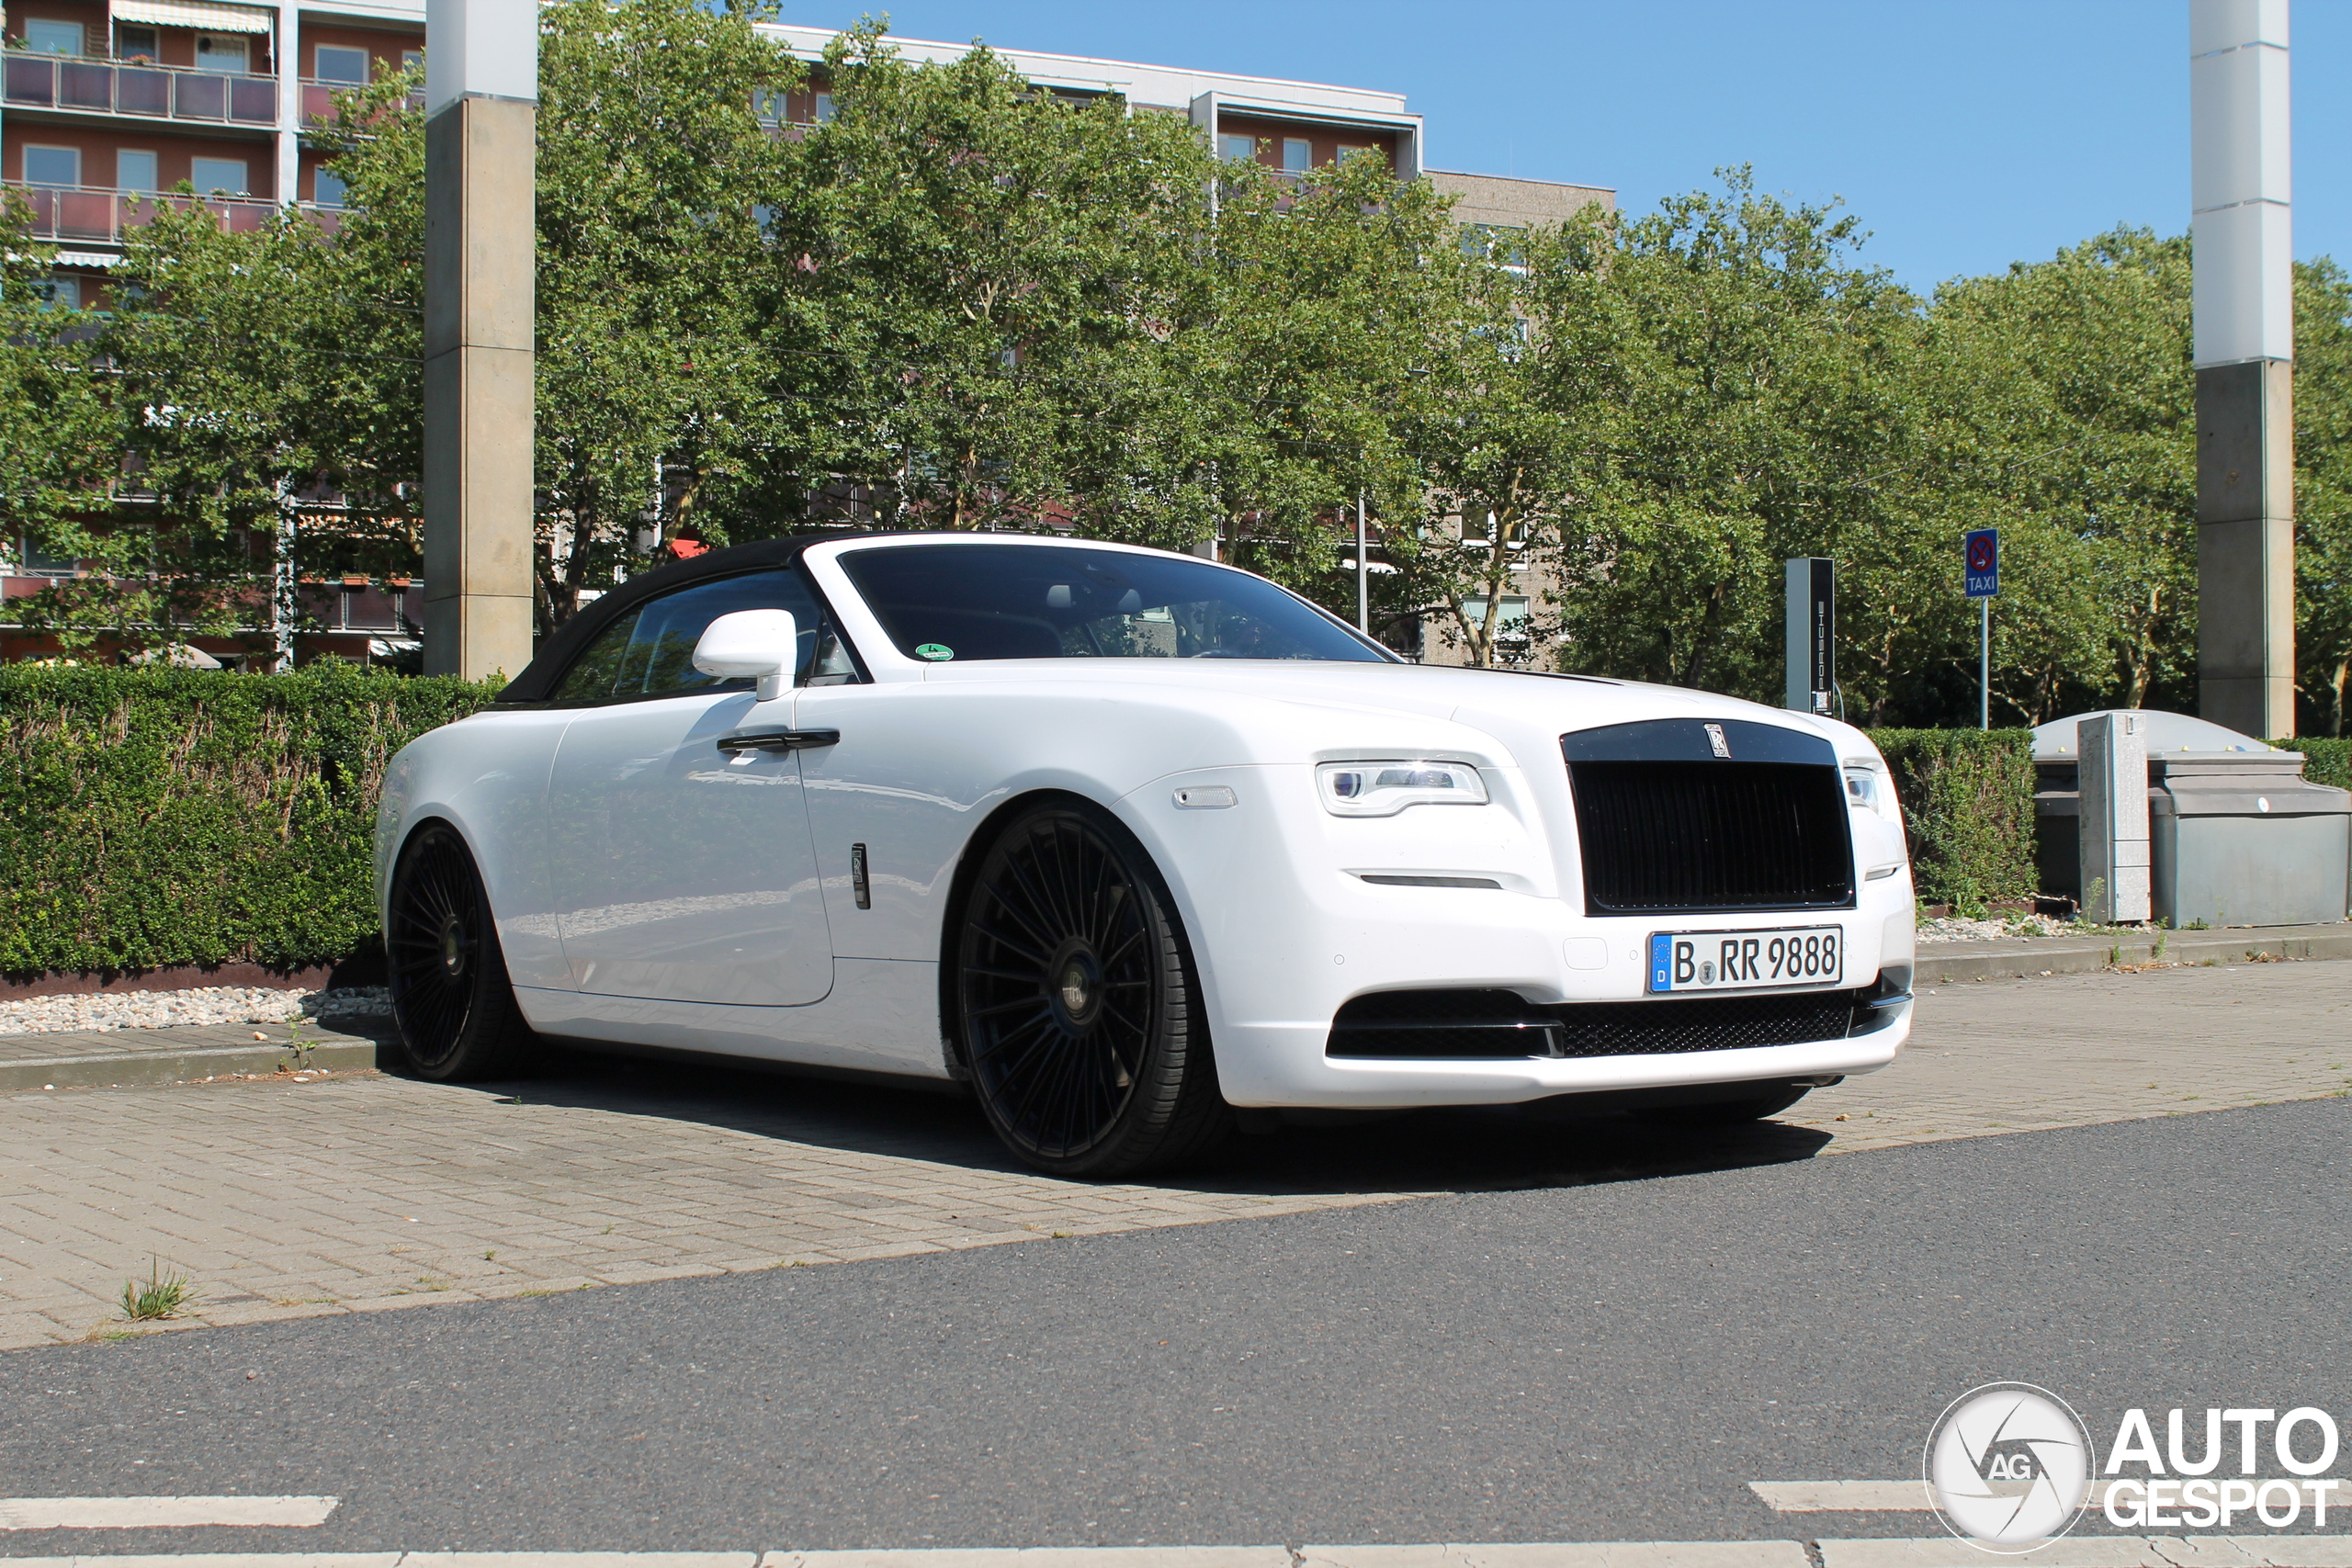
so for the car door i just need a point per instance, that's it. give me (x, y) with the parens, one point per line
(682, 873)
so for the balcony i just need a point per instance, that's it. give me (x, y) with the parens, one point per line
(151, 92)
(100, 215)
(318, 97)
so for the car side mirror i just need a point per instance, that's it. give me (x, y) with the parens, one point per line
(758, 645)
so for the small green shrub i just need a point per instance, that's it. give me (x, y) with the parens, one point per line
(1968, 806)
(2326, 759)
(165, 816)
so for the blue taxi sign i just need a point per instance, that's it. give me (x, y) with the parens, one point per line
(1982, 560)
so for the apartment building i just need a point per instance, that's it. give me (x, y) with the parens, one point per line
(107, 104)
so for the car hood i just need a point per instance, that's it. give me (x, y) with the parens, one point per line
(1512, 707)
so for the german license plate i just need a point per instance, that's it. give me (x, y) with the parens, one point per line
(1745, 961)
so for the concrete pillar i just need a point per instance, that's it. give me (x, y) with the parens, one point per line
(2244, 306)
(286, 144)
(481, 103)
(2113, 769)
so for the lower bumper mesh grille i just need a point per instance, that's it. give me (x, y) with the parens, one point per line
(1467, 1024)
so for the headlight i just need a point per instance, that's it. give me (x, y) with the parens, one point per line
(1868, 787)
(1383, 789)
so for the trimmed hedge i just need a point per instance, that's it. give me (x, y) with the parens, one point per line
(2326, 759)
(165, 816)
(1968, 806)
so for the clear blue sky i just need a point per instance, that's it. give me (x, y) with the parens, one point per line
(1966, 135)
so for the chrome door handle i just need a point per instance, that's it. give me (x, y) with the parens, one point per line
(778, 739)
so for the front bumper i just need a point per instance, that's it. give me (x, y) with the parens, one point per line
(1283, 938)
(1285, 1065)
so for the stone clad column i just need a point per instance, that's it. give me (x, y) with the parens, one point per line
(2244, 307)
(480, 135)
(2113, 749)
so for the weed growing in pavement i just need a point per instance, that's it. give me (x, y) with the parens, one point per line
(299, 1043)
(159, 1298)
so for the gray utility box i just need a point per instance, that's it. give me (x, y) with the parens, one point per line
(2238, 836)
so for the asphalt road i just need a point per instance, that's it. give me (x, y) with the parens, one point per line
(1613, 1361)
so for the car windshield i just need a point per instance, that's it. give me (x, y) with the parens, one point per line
(964, 602)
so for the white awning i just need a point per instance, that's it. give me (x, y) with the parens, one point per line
(86, 258)
(208, 15)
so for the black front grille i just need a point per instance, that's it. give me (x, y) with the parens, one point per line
(1500, 1025)
(1682, 836)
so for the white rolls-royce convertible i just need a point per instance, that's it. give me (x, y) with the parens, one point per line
(1133, 846)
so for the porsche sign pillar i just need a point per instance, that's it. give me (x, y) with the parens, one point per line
(2244, 306)
(482, 104)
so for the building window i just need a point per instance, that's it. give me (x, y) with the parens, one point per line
(331, 191)
(52, 38)
(59, 166)
(137, 43)
(38, 562)
(824, 103)
(411, 60)
(60, 292)
(769, 106)
(1298, 155)
(136, 170)
(223, 56)
(1237, 149)
(337, 63)
(1510, 622)
(218, 176)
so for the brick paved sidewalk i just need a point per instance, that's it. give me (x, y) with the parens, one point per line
(281, 1199)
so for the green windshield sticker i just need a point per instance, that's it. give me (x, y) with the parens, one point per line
(933, 651)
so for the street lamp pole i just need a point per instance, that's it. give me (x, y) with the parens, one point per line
(1363, 571)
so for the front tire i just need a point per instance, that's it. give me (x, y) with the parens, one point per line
(451, 1000)
(1075, 1003)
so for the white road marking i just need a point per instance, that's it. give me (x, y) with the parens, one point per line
(2101, 1551)
(1565, 1554)
(1861, 1497)
(1041, 1557)
(160, 1513)
(1569, 1554)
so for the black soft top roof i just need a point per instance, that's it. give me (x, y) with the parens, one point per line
(537, 682)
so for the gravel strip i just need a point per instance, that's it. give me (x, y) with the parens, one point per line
(1952, 927)
(207, 1004)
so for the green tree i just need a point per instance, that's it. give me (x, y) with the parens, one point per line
(59, 447)
(2064, 413)
(1742, 384)
(2322, 494)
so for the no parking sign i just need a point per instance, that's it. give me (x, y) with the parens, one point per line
(1983, 552)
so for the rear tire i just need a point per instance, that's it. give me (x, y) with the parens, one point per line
(1075, 1006)
(451, 1000)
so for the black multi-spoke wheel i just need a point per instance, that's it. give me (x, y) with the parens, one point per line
(1075, 1005)
(451, 997)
